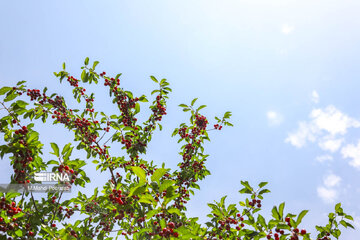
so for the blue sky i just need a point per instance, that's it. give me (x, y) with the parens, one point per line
(288, 70)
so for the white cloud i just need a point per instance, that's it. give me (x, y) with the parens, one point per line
(323, 127)
(332, 120)
(327, 143)
(274, 118)
(287, 29)
(332, 180)
(324, 158)
(315, 97)
(305, 132)
(353, 152)
(327, 195)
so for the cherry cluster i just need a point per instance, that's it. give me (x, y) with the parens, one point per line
(73, 233)
(326, 237)
(34, 94)
(111, 82)
(295, 231)
(21, 158)
(166, 232)
(69, 211)
(276, 235)
(201, 121)
(9, 209)
(73, 81)
(90, 206)
(63, 168)
(124, 102)
(18, 91)
(198, 166)
(255, 202)
(159, 110)
(217, 126)
(182, 132)
(116, 197)
(226, 225)
(127, 142)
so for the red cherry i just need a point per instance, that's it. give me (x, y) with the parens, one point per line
(171, 225)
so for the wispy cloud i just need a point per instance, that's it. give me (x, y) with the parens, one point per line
(332, 180)
(274, 118)
(333, 120)
(329, 143)
(324, 158)
(305, 132)
(327, 195)
(287, 29)
(324, 127)
(353, 152)
(315, 97)
(329, 191)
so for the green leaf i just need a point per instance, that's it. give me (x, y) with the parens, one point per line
(52, 162)
(227, 115)
(338, 208)
(137, 108)
(140, 173)
(66, 149)
(147, 199)
(174, 210)
(10, 97)
(63, 65)
(262, 184)
(275, 213)
(95, 64)
(247, 185)
(154, 91)
(118, 75)
(282, 226)
(4, 90)
(55, 148)
(154, 79)
(165, 184)
(264, 191)
(11, 195)
(19, 233)
(137, 190)
(158, 174)
(151, 213)
(201, 107)
(21, 103)
(193, 101)
(261, 221)
(342, 222)
(86, 62)
(281, 210)
(349, 225)
(84, 76)
(301, 216)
